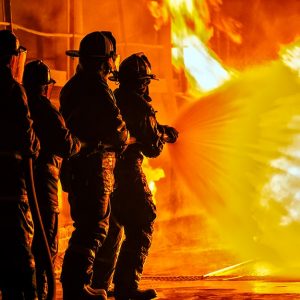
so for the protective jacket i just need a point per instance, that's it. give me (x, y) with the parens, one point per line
(133, 208)
(16, 226)
(56, 143)
(89, 109)
(17, 135)
(140, 119)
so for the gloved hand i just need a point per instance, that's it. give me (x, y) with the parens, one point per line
(170, 134)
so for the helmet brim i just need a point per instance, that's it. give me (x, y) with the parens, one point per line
(76, 53)
(150, 76)
(72, 53)
(51, 81)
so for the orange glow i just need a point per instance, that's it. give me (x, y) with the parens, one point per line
(153, 175)
(243, 167)
(237, 158)
(190, 34)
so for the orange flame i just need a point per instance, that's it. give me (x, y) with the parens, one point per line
(190, 32)
(153, 175)
(242, 139)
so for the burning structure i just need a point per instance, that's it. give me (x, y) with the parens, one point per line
(229, 81)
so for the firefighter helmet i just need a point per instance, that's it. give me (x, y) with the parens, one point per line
(135, 67)
(37, 73)
(94, 45)
(112, 39)
(9, 43)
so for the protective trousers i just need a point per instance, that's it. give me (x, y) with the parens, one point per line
(134, 211)
(46, 185)
(50, 222)
(91, 184)
(17, 272)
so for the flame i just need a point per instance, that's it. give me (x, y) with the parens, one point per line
(242, 143)
(202, 69)
(153, 175)
(238, 151)
(290, 55)
(190, 31)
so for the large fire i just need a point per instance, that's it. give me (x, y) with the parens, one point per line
(190, 33)
(238, 151)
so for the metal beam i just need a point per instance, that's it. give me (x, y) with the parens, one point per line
(7, 13)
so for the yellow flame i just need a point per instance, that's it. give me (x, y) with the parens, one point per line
(291, 56)
(242, 144)
(239, 146)
(283, 185)
(153, 175)
(202, 69)
(190, 34)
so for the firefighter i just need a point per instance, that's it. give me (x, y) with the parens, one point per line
(89, 108)
(56, 143)
(18, 144)
(132, 205)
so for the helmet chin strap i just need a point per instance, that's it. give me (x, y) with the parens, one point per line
(146, 95)
(47, 90)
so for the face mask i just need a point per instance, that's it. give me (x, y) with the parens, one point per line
(47, 90)
(142, 86)
(18, 63)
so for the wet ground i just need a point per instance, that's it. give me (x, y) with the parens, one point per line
(225, 278)
(177, 289)
(227, 290)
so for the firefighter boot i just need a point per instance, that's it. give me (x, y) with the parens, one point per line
(76, 275)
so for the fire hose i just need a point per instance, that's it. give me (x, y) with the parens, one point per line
(39, 229)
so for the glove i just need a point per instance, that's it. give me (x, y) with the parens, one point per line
(170, 134)
(153, 150)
